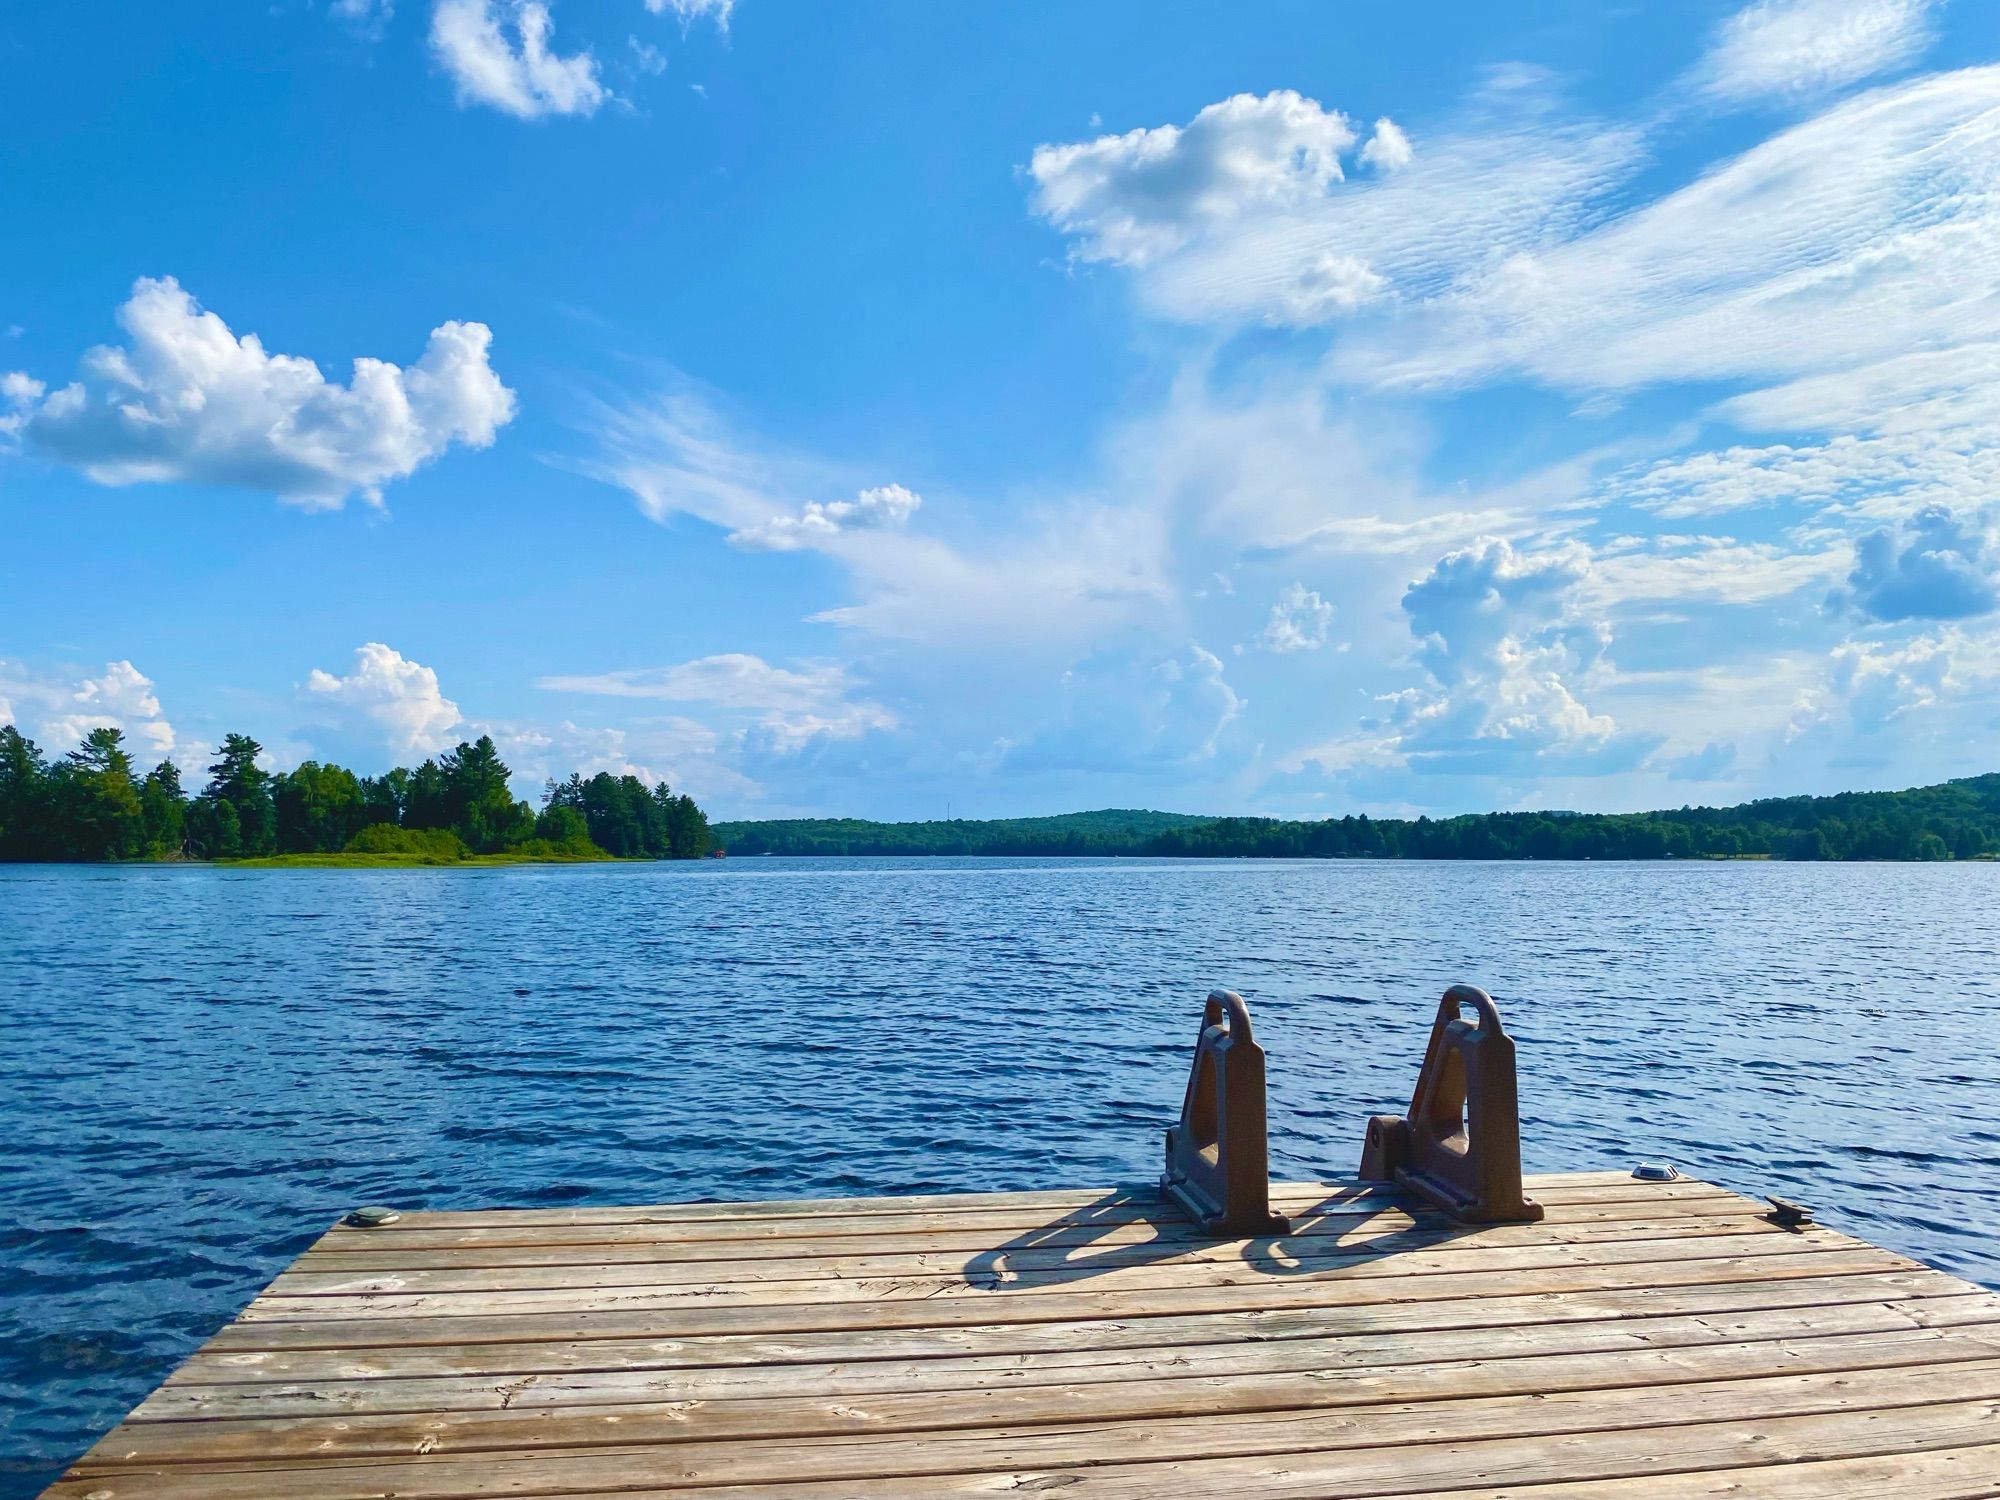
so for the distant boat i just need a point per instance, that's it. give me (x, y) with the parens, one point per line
(718, 854)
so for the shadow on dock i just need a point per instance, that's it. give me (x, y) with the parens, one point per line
(1347, 1228)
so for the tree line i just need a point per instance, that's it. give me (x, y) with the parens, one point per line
(1953, 820)
(93, 804)
(1111, 831)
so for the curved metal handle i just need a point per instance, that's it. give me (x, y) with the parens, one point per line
(1462, 995)
(1220, 1001)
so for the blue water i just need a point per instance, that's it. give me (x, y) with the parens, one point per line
(199, 1069)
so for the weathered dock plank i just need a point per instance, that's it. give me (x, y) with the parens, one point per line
(1644, 1339)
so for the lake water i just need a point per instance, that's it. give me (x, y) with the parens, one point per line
(199, 1069)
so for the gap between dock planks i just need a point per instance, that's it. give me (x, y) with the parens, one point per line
(1644, 1339)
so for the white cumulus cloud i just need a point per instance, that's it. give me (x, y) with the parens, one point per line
(1872, 686)
(1785, 48)
(399, 695)
(1299, 621)
(187, 400)
(69, 707)
(18, 394)
(1133, 197)
(1937, 566)
(1506, 644)
(882, 508)
(1388, 149)
(497, 53)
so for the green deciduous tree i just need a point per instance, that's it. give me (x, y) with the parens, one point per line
(318, 808)
(162, 812)
(385, 798)
(95, 800)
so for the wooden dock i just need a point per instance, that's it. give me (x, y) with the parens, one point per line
(1655, 1340)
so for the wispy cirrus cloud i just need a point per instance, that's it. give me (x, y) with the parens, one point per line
(367, 18)
(687, 12)
(1845, 475)
(1707, 570)
(1143, 709)
(1802, 255)
(1785, 49)
(788, 706)
(1060, 570)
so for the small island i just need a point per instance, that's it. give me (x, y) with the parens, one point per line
(457, 809)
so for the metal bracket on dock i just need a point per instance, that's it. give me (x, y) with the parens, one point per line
(1460, 1144)
(1218, 1159)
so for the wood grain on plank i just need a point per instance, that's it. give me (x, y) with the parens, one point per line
(310, 1276)
(615, 1316)
(1655, 1447)
(1940, 1474)
(359, 1250)
(665, 1225)
(1144, 1198)
(1467, 1263)
(183, 1400)
(1962, 1362)
(1925, 1297)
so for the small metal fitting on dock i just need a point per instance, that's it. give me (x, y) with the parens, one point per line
(372, 1216)
(1657, 1171)
(1788, 1215)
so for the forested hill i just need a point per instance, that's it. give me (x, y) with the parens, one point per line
(1955, 820)
(1110, 831)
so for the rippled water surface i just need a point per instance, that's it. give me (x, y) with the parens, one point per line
(200, 1068)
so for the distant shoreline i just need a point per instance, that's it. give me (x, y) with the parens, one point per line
(1953, 820)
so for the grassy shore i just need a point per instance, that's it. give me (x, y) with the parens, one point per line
(397, 861)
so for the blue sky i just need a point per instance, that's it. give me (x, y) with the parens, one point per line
(881, 409)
